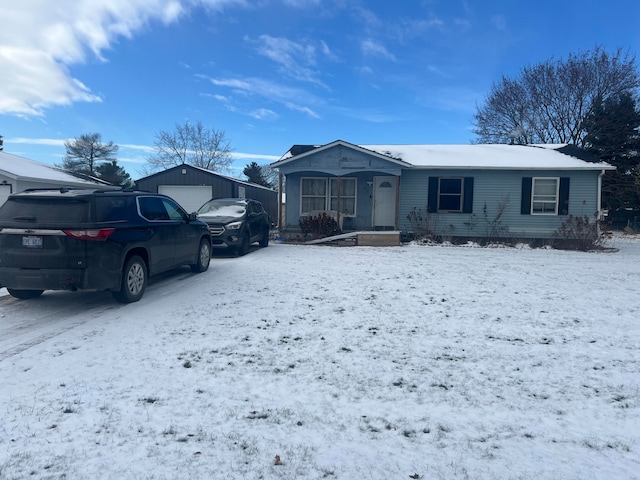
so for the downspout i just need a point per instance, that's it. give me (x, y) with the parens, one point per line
(599, 204)
(338, 204)
(280, 212)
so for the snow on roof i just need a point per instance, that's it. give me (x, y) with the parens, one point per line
(476, 156)
(22, 168)
(486, 156)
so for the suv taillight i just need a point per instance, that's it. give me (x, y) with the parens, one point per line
(95, 234)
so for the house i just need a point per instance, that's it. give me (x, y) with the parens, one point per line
(192, 186)
(516, 191)
(19, 173)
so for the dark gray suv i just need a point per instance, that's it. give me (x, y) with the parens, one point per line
(95, 240)
(236, 223)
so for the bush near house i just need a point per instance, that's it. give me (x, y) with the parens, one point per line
(319, 226)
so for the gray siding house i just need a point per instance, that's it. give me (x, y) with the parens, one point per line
(18, 174)
(515, 191)
(192, 186)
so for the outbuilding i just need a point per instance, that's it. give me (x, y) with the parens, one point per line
(192, 186)
(18, 174)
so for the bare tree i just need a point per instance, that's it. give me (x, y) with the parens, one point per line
(549, 102)
(86, 152)
(192, 144)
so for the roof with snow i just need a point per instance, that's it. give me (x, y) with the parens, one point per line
(20, 168)
(479, 156)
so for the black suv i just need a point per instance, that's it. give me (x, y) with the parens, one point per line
(70, 239)
(236, 223)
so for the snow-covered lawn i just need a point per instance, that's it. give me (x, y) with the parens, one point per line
(348, 363)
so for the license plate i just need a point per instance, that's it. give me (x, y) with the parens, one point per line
(32, 242)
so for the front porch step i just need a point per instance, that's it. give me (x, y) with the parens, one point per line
(363, 239)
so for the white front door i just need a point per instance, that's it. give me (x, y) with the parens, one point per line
(384, 201)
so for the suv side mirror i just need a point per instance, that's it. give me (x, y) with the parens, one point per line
(193, 216)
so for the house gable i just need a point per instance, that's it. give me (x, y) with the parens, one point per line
(338, 158)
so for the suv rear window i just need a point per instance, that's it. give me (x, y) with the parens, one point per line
(112, 209)
(45, 210)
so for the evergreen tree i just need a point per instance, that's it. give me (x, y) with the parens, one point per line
(613, 135)
(85, 153)
(258, 175)
(113, 173)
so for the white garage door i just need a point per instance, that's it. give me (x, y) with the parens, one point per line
(190, 197)
(5, 191)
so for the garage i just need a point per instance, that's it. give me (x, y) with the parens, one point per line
(190, 197)
(192, 186)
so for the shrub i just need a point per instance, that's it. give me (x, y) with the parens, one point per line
(319, 226)
(579, 233)
(423, 224)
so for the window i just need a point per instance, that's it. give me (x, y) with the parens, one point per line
(450, 195)
(347, 195)
(544, 196)
(321, 193)
(314, 195)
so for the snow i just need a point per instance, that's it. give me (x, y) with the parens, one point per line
(480, 156)
(433, 362)
(24, 168)
(486, 156)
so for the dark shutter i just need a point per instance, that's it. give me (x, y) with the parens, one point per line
(432, 199)
(563, 200)
(525, 205)
(467, 207)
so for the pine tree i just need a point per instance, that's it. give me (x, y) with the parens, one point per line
(113, 173)
(613, 135)
(85, 153)
(256, 174)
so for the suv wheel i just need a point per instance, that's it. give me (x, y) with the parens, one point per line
(243, 249)
(134, 281)
(264, 241)
(24, 294)
(204, 257)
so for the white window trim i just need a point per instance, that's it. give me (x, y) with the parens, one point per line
(328, 196)
(557, 195)
(450, 194)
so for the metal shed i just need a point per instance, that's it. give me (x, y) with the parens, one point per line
(192, 186)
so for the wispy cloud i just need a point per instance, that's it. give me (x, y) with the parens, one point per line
(373, 48)
(290, 97)
(264, 114)
(53, 142)
(297, 59)
(41, 39)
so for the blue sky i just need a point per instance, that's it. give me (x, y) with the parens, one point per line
(273, 73)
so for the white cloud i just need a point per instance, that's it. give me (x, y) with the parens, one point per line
(373, 48)
(263, 114)
(41, 39)
(53, 142)
(270, 91)
(296, 59)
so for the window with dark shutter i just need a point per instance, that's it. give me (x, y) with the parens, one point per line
(450, 195)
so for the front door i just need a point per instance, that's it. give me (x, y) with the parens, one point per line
(384, 202)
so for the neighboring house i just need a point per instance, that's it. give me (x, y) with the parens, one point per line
(517, 191)
(192, 186)
(19, 173)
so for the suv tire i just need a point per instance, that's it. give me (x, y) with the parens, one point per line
(134, 281)
(264, 241)
(203, 258)
(243, 249)
(24, 294)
